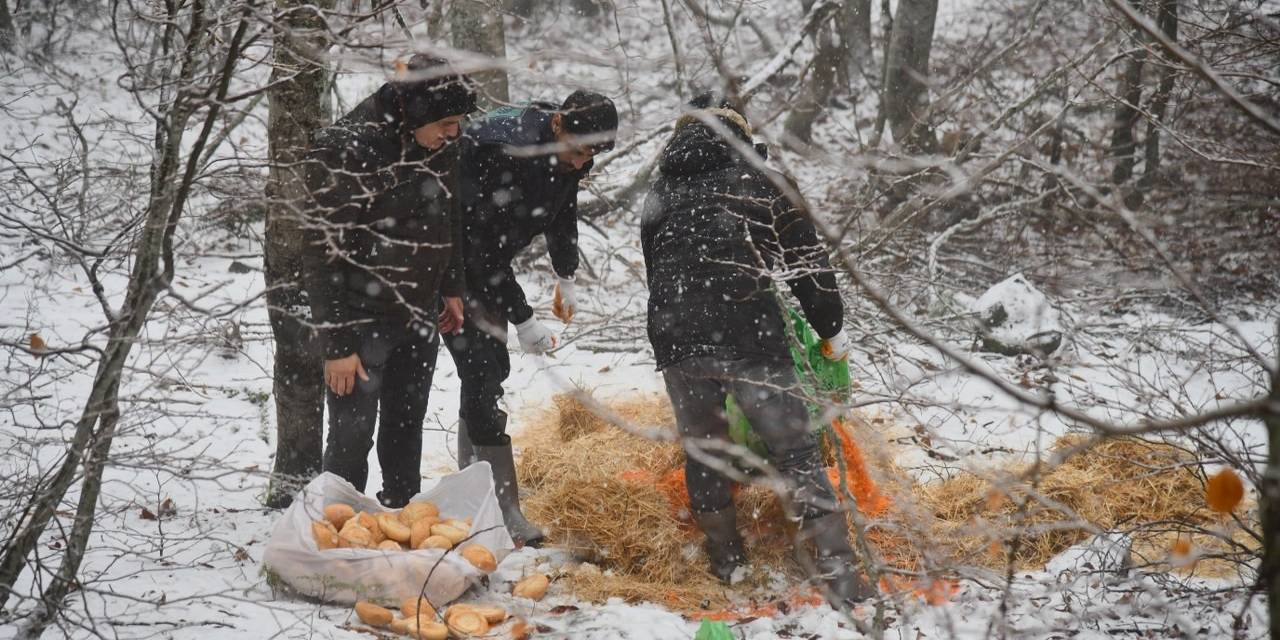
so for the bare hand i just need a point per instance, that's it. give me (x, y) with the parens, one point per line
(341, 374)
(450, 320)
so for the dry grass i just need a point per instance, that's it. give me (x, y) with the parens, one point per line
(619, 501)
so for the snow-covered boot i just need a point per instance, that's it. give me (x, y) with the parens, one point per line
(724, 543)
(502, 461)
(835, 559)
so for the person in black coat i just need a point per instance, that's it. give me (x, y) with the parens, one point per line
(521, 169)
(382, 251)
(717, 230)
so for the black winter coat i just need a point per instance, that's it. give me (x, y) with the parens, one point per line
(382, 226)
(715, 229)
(512, 189)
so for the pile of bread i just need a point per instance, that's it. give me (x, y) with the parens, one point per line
(419, 525)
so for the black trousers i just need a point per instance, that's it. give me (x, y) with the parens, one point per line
(766, 390)
(400, 361)
(480, 355)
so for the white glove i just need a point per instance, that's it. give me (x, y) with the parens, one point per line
(535, 337)
(565, 303)
(836, 347)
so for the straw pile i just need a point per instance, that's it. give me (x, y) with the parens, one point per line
(1120, 484)
(618, 500)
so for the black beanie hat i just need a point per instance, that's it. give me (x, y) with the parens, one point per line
(427, 89)
(592, 116)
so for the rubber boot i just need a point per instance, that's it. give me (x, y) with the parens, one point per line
(505, 484)
(724, 543)
(466, 453)
(835, 559)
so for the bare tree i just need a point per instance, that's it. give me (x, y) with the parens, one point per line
(193, 80)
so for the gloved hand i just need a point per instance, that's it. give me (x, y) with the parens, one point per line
(565, 303)
(535, 337)
(836, 347)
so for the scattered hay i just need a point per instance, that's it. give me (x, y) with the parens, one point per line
(619, 501)
(1119, 484)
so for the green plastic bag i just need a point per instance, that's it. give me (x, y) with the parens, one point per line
(819, 377)
(710, 630)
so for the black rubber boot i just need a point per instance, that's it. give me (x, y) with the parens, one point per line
(835, 559)
(465, 453)
(507, 487)
(724, 543)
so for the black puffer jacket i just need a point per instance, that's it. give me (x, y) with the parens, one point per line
(513, 190)
(715, 230)
(383, 223)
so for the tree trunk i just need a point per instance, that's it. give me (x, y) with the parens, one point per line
(907, 75)
(477, 27)
(1270, 498)
(298, 107)
(813, 99)
(1123, 144)
(7, 35)
(1168, 23)
(854, 27)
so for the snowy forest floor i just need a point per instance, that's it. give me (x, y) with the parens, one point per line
(177, 550)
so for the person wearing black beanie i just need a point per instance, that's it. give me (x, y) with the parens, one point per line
(521, 169)
(382, 266)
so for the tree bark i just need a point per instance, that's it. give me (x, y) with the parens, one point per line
(907, 75)
(854, 27)
(822, 78)
(1269, 580)
(7, 34)
(1123, 144)
(1168, 23)
(297, 108)
(476, 26)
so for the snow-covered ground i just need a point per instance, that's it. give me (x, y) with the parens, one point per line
(198, 433)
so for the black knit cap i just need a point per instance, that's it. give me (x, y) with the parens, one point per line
(428, 89)
(592, 116)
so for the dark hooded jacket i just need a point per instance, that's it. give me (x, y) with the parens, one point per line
(382, 226)
(715, 229)
(512, 190)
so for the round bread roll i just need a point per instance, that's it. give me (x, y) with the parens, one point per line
(392, 528)
(416, 605)
(454, 534)
(533, 587)
(492, 613)
(436, 542)
(480, 557)
(370, 522)
(461, 525)
(468, 622)
(339, 514)
(390, 545)
(372, 614)
(355, 537)
(324, 533)
(421, 530)
(427, 630)
(415, 511)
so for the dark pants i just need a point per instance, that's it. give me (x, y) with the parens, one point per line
(480, 354)
(766, 390)
(400, 361)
